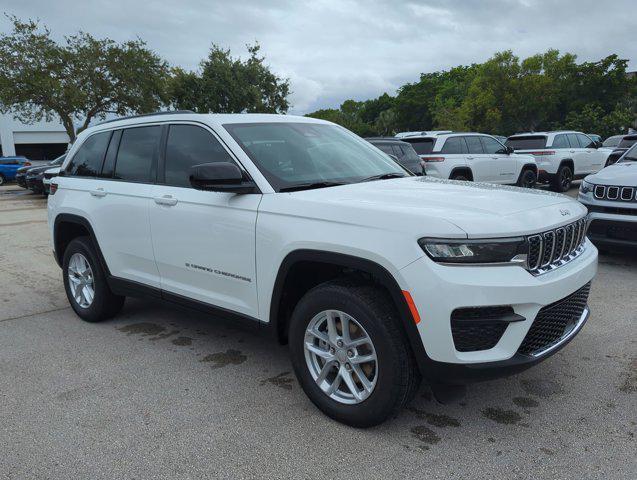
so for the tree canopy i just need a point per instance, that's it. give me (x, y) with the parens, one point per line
(502, 96)
(225, 85)
(77, 80)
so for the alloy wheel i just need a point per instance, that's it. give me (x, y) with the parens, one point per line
(81, 280)
(566, 178)
(341, 357)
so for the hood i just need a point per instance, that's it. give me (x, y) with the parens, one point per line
(423, 204)
(40, 169)
(620, 174)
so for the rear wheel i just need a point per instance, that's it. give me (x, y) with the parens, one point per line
(563, 178)
(528, 179)
(85, 283)
(349, 355)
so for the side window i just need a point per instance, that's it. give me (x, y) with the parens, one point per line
(474, 145)
(585, 141)
(572, 139)
(560, 141)
(454, 145)
(491, 145)
(137, 150)
(111, 154)
(385, 148)
(398, 152)
(189, 145)
(87, 161)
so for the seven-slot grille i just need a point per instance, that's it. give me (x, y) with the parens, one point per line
(555, 322)
(625, 194)
(551, 249)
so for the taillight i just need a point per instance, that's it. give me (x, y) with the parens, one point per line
(432, 159)
(53, 187)
(542, 152)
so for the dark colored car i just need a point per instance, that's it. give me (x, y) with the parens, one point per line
(34, 175)
(400, 151)
(9, 167)
(624, 144)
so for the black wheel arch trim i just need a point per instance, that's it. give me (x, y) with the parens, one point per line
(78, 220)
(463, 170)
(380, 273)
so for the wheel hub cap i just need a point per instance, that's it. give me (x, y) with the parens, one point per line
(81, 282)
(340, 357)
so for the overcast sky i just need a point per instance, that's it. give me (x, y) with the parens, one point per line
(333, 50)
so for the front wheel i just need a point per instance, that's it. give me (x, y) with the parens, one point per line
(528, 179)
(349, 354)
(562, 179)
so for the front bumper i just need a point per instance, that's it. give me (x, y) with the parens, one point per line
(21, 180)
(35, 184)
(438, 290)
(611, 223)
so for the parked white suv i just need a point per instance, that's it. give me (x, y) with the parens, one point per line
(473, 157)
(298, 227)
(561, 156)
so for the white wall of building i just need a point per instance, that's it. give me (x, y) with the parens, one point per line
(14, 132)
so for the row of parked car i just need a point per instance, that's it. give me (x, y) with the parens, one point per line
(36, 178)
(524, 159)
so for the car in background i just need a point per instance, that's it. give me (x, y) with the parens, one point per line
(561, 156)
(622, 147)
(34, 177)
(596, 138)
(612, 142)
(473, 157)
(419, 134)
(9, 167)
(48, 177)
(500, 138)
(611, 199)
(400, 151)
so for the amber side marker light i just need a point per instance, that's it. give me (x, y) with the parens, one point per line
(412, 307)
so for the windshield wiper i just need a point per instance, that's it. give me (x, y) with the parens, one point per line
(309, 186)
(632, 159)
(383, 176)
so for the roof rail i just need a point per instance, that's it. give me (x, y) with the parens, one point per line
(168, 112)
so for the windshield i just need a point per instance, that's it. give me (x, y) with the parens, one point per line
(58, 161)
(612, 141)
(630, 155)
(526, 142)
(297, 154)
(627, 141)
(422, 146)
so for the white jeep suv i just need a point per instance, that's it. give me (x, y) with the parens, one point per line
(300, 228)
(561, 156)
(473, 157)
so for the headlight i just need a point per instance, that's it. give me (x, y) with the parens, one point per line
(586, 187)
(497, 250)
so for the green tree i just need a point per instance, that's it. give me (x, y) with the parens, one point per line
(77, 80)
(226, 84)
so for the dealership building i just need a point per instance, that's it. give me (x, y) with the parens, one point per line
(38, 141)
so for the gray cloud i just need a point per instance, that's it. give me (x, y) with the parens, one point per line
(337, 49)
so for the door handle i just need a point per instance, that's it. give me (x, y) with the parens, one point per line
(572, 151)
(469, 158)
(167, 200)
(98, 192)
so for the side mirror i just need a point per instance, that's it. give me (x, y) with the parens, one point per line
(220, 177)
(597, 144)
(509, 150)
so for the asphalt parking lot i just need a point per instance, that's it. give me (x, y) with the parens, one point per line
(165, 393)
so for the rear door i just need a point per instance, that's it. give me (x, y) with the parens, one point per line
(204, 242)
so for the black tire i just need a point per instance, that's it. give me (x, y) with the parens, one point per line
(105, 304)
(2, 180)
(398, 377)
(528, 178)
(562, 180)
(460, 176)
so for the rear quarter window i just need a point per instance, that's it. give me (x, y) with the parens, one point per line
(527, 142)
(87, 161)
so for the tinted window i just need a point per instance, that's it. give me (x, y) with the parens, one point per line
(189, 145)
(398, 151)
(630, 155)
(474, 145)
(137, 151)
(612, 141)
(385, 148)
(491, 145)
(572, 139)
(526, 142)
(111, 154)
(454, 145)
(87, 161)
(628, 141)
(422, 146)
(585, 141)
(560, 141)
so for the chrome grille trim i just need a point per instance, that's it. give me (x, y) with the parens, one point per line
(600, 191)
(627, 193)
(554, 248)
(615, 193)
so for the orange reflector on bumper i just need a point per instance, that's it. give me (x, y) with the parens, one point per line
(412, 307)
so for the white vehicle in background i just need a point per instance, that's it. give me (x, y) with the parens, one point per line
(420, 134)
(49, 175)
(473, 157)
(561, 156)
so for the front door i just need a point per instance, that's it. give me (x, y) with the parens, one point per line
(503, 165)
(204, 242)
